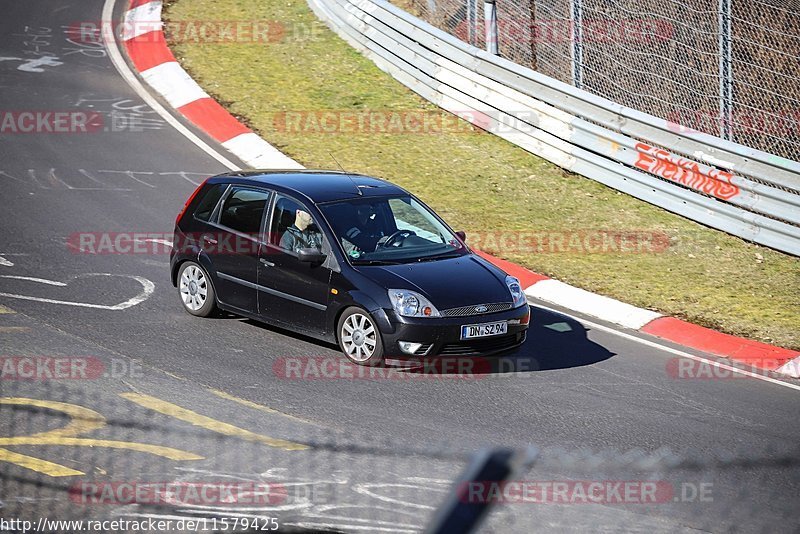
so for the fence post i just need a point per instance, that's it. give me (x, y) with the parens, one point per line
(490, 25)
(462, 511)
(725, 71)
(577, 43)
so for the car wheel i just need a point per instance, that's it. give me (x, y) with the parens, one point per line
(359, 338)
(196, 291)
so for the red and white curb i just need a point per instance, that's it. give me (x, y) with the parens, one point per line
(144, 41)
(750, 353)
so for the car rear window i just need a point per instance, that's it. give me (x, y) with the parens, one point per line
(243, 210)
(209, 201)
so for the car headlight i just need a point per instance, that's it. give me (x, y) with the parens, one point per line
(517, 294)
(411, 304)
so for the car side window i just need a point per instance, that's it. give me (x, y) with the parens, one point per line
(292, 226)
(243, 209)
(209, 201)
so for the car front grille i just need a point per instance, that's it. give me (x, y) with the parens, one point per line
(423, 349)
(477, 347)
(465, 311)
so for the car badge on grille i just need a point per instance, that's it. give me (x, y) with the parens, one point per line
(481, 308)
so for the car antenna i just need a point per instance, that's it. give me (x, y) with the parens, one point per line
(360, 193)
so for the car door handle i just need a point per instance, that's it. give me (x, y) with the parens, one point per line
(209, 240)
(267, 263)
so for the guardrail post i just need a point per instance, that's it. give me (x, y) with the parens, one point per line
(490, 25)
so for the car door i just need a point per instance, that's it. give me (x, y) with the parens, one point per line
(292, 292)
(232, 245)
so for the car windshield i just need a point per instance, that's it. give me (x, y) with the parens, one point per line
(384, 230)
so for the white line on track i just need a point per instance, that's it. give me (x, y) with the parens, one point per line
(128, 75)
(147, 289)
(165, 242)
(32, 279)
(665, 348)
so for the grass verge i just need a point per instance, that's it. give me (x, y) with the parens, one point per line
(480, 183)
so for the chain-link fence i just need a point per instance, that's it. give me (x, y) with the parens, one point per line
(127, 461)
(728, 68)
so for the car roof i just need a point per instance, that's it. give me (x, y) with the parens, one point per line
(316, 185)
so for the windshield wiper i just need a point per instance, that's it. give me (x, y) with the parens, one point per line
(442, 256)
(377, 262)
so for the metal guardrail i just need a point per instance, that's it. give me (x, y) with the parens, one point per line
(736, 189)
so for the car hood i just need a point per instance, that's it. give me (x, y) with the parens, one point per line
(447, 283)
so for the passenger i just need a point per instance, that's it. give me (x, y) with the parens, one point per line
(302, 234)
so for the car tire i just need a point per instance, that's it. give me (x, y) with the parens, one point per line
(360, 338)
(196, 290)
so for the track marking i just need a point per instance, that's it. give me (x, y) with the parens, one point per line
(147, 289)
(35, 464)
(157, 450)
(259, 407)
(127, 74)
(165, 242)
(173, 410)
(4, 310)
(5, 263)
(669, 349)
(32, 279)
(82, 421)
(14, 329)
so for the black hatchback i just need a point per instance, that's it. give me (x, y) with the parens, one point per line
(346, 258)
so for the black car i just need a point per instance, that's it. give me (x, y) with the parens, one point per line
(345, 258)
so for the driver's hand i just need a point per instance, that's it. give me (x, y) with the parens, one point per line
(383, 240)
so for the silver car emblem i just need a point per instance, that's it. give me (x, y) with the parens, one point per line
(481, 308)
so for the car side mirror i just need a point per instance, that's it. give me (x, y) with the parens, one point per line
(462, 235)
(311, 255)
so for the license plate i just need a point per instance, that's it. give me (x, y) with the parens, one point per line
(469, 331)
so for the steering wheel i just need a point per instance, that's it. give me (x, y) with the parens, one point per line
(397, 237)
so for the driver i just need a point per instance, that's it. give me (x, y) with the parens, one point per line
(366, 234)
(302, 234)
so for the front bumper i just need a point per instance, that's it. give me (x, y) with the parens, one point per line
(441, 336)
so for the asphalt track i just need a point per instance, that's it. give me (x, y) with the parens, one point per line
(384, 448)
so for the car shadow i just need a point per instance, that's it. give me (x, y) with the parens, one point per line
(554, 341)
(557, 341)
(283, 331)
